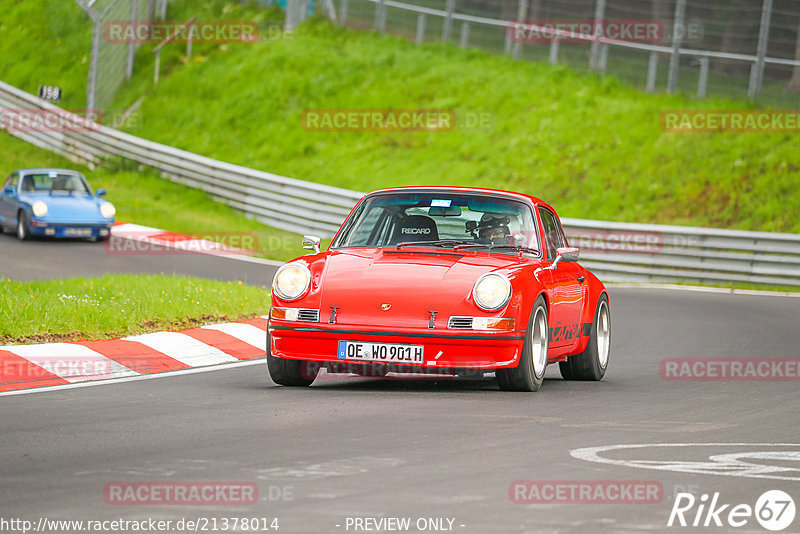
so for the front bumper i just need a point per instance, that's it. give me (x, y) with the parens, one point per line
(70, 230)
(443, 348)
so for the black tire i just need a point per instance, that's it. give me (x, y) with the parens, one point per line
(591, 364)
(294, 373)
(23, 230)
(525, 376)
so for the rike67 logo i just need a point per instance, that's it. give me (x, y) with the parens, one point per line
(774, 510)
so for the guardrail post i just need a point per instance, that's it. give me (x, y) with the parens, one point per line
(464, 36)
(420, 37)
(757, 71)
(652, 66)
(677, 36)
(554, 50)
(447, 26)
(599, 15)
(702, 82)
(343, 12)
(522, 14)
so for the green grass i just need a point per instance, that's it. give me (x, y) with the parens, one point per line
(142, 197)
(118, 305)
(589, 145)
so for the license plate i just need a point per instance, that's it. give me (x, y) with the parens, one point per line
(82, 232)
(381, 352)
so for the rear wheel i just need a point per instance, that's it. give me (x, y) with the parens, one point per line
(591, 364)
(529, 373)
(23, 230)
(290, 372)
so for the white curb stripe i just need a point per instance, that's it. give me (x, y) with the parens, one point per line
(183, 348)
(248, 333)
(73, 363)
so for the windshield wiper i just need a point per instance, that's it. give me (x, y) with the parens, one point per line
(520, 248)
(436, 243)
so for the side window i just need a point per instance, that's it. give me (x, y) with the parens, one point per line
(553, 234)
(9, 181)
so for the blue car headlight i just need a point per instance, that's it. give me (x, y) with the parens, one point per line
(108, 210)
(39, 208)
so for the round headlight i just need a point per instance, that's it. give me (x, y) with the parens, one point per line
(291, 281)
(108, 210)
(492, 291)
(39, 209)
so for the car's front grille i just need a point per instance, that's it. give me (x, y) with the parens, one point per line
(304, 314)
(460, 322)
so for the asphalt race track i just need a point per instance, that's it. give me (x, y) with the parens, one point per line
(350, 448)
(42, 259)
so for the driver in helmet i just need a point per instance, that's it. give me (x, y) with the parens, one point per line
(493, 227)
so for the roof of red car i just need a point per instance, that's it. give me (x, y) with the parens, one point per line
(461, 189)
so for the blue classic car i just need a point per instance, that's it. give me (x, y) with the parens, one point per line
(54, 202)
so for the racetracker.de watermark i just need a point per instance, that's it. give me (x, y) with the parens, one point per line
(615, 241)
(586, 492)
(586, 30)
(378, 120)
(161, 492)
(730, 121)
(49, 120)
(733, 369)
(201, 31)
(218, 243)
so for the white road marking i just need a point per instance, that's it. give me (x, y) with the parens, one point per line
(724, 465)
(74, 363)
(183, 348)
(248, 333)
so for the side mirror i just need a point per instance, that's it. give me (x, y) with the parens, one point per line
(101, 192)
(565, 254)
(8, 191)
(311, 242)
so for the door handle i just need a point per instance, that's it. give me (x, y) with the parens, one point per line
(581, 279)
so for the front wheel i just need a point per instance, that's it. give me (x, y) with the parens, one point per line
(23, 230)
(295, 373)
(591, 364)
(529, 373)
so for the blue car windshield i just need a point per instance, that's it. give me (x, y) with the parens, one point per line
(54, 183)
(441, 219)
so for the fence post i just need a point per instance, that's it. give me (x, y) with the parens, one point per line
(131, 44)
(189, 43)
(652, 65)
(757, 71)
(554, 50)
(420, 28)
(380, 16)
(702, 82)
(464, 37)
(447, 26)
(677, 35)
(603, 60)
(163, 10)
(522, 14)
(343, 12)
(599, 15)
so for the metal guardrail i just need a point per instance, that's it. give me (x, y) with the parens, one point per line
(615, 251)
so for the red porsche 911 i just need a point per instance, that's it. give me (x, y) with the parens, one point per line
(446, 279)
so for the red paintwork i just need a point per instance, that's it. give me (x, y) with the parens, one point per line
(360, 280)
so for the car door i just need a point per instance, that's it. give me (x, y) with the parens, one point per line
(564, 285)
(8, 203)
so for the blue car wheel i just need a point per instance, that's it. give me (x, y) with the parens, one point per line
(23, 230)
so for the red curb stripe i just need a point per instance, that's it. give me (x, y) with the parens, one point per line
(225, 342)
(170, 237)
(260, 322)
(135, 356)
(18, 373)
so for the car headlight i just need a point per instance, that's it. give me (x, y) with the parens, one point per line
(39, 209)
(492, 291)
(291, 281)
(108, 210)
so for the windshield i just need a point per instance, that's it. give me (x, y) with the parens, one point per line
(458, 220)
(54, 183)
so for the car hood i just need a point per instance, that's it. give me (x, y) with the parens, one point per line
(361, 282)
(68, 208)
